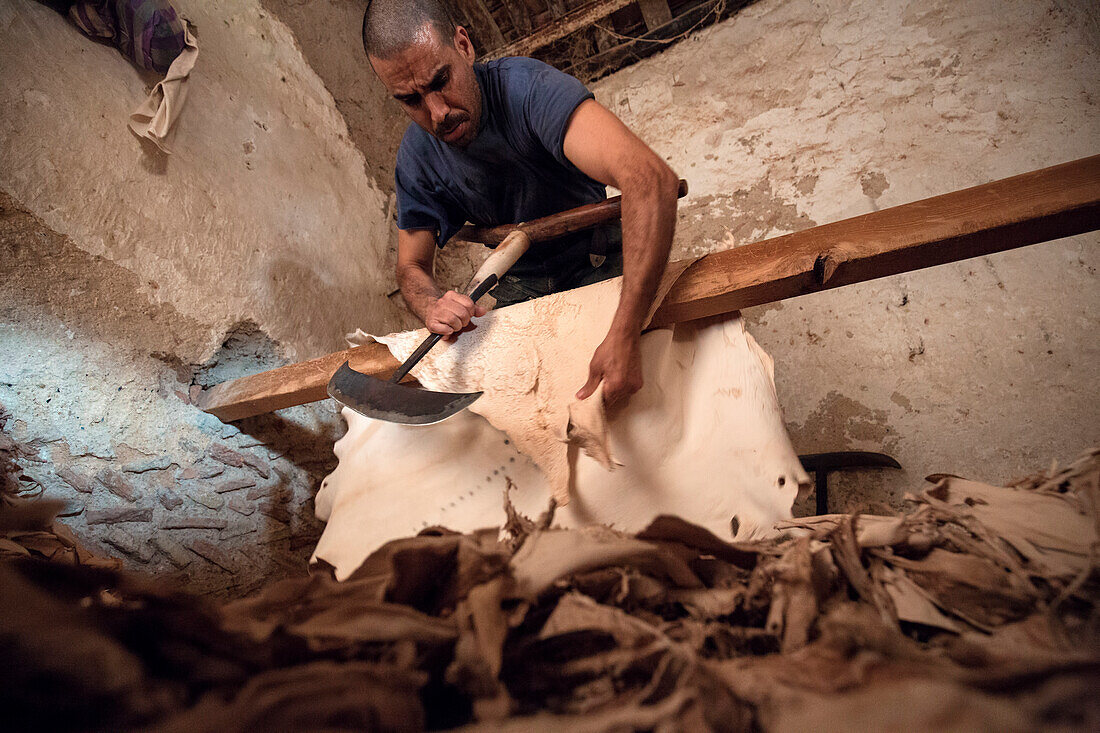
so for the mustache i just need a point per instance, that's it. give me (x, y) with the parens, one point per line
(450, 122)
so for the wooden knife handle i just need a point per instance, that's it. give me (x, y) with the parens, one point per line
(501, 260)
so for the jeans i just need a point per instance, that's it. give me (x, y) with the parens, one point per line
(564, 266)
(514, 289)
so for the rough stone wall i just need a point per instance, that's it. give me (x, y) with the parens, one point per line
(129, 279)
(264, 211)
(798, 113)
(328, 32)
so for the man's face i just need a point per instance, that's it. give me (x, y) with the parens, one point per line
(435, 83)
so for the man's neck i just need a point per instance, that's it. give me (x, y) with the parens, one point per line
(479, 69)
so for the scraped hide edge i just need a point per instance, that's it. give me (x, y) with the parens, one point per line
(703, 439)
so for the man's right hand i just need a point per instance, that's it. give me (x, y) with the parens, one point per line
(450, 315)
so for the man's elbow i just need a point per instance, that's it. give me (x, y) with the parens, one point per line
(400, 273)
(668, 184)
(655, 175)
(406, 273)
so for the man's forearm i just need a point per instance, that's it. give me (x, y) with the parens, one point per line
(649, 220)
(418, 289)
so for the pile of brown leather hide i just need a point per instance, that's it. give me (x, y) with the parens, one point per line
(976, 608)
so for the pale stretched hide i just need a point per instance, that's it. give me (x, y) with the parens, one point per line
(704, 439)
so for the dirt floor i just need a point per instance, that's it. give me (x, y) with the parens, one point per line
(129, 280)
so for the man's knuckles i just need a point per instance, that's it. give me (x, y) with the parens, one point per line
(459, 300)
(447, 316)
(453, 316)
(452, 313)
(457, 310)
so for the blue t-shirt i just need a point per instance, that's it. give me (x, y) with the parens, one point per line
(515, 169)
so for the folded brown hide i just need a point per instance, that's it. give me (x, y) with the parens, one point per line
(960, 613)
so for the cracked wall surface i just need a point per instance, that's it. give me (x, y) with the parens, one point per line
(263, 211)
(792, 114)
(130, 279)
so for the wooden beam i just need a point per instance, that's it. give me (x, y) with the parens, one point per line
(1014, 212)
(655, 13)
(568, 23)
(551, 227)
(482, 21)
(625, 52)
(295, 384)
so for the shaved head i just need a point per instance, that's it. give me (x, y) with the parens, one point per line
(426, 63)
(392, 25)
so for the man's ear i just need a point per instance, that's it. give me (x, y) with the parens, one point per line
(464, 45)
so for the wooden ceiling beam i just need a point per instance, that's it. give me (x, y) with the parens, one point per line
(625, 51)
(481, 22)
(571, 22)
(655, 13)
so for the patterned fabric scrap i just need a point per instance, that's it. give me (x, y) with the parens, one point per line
(148, 32)
(93, 19)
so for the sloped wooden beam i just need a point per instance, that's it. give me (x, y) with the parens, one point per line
(539, 230)
(294, 384)
(1039, 206)
(1014, 212)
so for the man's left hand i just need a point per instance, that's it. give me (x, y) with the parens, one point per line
(618, 364)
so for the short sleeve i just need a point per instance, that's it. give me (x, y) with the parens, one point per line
(415, 208)
(550, 101)
(422, 202)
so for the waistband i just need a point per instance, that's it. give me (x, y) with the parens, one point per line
(556, 256)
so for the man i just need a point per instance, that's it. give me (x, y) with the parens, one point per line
(510, 141)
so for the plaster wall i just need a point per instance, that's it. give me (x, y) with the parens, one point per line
(128, 279)
(329, 35)
(263, 211)
(798, 113)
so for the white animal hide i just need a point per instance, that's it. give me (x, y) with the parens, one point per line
(703, 439)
